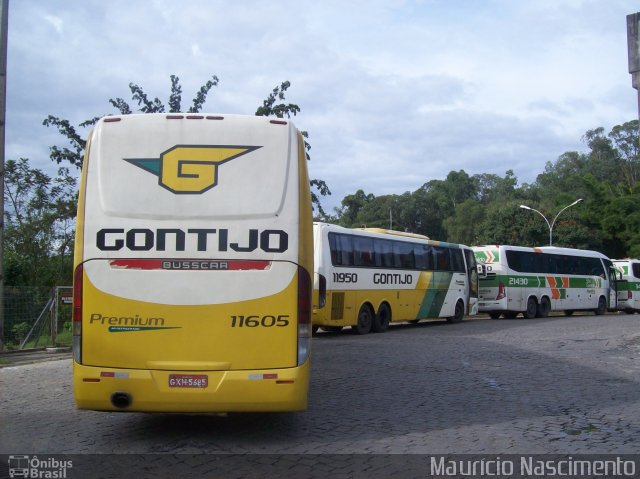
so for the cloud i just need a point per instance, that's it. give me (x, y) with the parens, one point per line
(56, 22)
(393, 93)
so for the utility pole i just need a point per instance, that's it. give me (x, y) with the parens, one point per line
(633, 42)
(4, 26)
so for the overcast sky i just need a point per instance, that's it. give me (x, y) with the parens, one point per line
(393, 93)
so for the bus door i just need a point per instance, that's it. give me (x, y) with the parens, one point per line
(614, 277)
(472, 281)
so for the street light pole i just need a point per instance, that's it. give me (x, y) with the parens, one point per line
(633, 42)
(550, 225)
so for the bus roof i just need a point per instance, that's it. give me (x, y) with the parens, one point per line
(384, 233)
(394, 232)
(544, 249)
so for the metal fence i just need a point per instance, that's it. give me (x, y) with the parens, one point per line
(37, 317)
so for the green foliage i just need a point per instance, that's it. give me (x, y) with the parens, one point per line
(485, 208)
(20, 331)
(461, 226)
(269, 107)
(72, 155)
(201, 96)
(39, 225)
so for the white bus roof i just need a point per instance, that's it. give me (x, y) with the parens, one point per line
(544, 249)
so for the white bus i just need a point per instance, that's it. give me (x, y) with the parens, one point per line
(536, 281)
(629, 285)
(193, 265)
(367, 278)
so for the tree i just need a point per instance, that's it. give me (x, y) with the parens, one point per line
(462, 226)
(39, 225)
(74, 152)
(491, 187)
(627, 145)
(351, 207)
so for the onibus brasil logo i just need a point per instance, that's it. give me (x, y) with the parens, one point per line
(190, 169)
(34, 467)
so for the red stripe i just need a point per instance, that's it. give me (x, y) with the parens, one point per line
(188, 264)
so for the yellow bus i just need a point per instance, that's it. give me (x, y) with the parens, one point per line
(193, 265)
(367, 278)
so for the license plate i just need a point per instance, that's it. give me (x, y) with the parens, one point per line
(188, 380)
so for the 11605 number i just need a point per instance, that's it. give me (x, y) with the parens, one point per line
(254, 321)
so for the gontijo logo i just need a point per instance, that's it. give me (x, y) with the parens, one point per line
(190, 169)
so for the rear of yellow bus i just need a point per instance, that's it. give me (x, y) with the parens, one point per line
(193, 264)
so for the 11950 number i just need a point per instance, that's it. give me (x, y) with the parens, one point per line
(345, 277)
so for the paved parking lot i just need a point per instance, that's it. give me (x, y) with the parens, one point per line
(554, 385)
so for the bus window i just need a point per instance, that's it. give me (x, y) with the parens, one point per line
(363, 251)
(383, 253)
(424, 257)
(514, 260)
(403, 253)
(341, 250)
(441, 258)
(457, 261)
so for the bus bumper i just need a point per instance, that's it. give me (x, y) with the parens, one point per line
(488, 306)
(112, 389)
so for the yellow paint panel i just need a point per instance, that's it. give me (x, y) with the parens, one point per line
(125, 333)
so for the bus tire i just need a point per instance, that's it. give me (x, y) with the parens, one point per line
(314, 329)
(602, 306)
(365, 318)
(532, 308)
(382, 319)
(494, 315)
(544, 308)
(458, 313)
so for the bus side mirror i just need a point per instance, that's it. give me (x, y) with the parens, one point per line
(615, 274)
(322, 291)
(482, 271)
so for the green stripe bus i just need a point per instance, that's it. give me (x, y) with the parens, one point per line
(629, 285)
(535, 281)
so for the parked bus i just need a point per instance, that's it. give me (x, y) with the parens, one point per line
(367, 278)
(629, 285)
(193, 264)
(536, 281)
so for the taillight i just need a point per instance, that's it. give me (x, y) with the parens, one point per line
(304, 315)
(629, 294)
(77, 313)
(501, 291)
